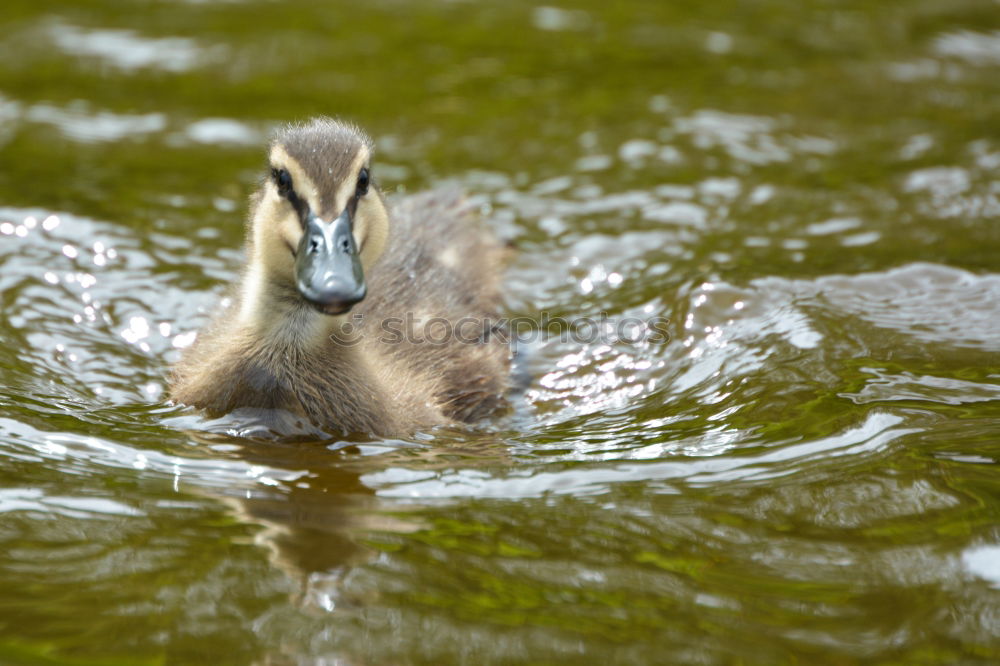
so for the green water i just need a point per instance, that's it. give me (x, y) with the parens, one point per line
(806, 473)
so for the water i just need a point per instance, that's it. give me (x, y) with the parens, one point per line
(805, 472)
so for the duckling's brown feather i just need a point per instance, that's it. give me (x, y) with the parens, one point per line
(324, 148)
(223, 373)
(442, 265)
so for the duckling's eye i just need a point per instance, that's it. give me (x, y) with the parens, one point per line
(283, 180)
(362, 183)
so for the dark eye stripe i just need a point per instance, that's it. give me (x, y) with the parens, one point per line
(363, 180)
(283, 180)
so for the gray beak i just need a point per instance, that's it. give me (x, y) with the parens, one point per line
(327, 266)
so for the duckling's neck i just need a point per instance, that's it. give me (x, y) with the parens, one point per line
(277, 318)
(288, 355)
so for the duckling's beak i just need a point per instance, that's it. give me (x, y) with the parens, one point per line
(327, 266)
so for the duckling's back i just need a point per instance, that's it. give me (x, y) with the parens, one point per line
(435, 297)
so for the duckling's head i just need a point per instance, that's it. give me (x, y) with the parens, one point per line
(319, 221)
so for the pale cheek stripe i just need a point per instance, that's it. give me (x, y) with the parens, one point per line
(348, 187)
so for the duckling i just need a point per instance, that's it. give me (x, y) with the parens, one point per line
(353, 314)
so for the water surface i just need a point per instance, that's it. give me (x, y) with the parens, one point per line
(806, 472)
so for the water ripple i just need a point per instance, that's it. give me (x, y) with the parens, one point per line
(128, 50)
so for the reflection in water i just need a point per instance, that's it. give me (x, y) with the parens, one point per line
(977, 48)
(80, 123)
(984, 561)
(127, 50)
(315, 523)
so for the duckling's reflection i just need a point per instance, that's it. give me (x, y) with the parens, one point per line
(313, 509)
(315, 520)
